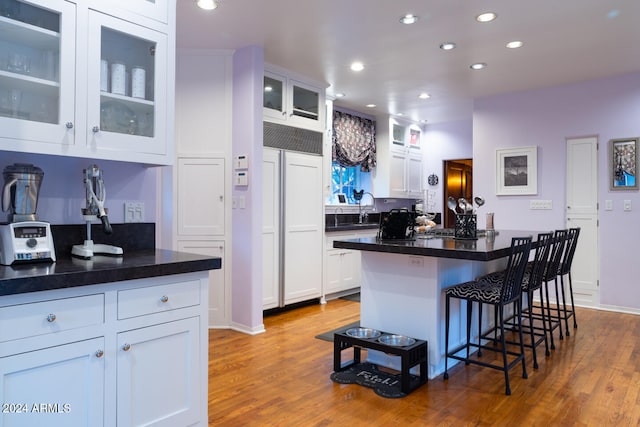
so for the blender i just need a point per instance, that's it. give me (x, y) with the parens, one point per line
(23, 238)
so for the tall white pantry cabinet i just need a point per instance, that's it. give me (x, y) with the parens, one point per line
(202, 181)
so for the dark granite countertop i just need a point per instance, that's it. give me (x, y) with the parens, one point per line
(481, 249)
(69, 272)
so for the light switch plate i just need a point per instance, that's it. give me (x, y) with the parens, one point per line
(540, 204)
(627, 206)
(608, 205)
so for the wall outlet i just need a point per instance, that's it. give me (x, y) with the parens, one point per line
(134, 211)
(540, 204)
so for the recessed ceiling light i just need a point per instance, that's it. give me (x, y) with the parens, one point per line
(486, 17)
(515, 44)
(400, 114)
(371, 105)
(409, 18)
(424, 95)
(357, 66)
(447, 46)
(207, 4)
(340, 95)
(268, 88)
(478, 66)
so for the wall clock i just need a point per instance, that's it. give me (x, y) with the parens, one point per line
(433, 179)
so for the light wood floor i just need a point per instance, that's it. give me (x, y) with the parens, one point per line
(281, 378)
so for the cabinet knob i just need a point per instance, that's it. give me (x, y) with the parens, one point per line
(95, 129)
(51, 318)
(99, 353)
(221, 198)
(126, 347)
(69, 125)
(164, 298)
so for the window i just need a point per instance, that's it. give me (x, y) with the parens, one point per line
(345, 180)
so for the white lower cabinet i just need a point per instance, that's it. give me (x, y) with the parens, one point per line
(61, 385)
(137, 357)
(157, 362)
(343, 266)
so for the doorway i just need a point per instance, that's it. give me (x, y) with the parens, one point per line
(458, 182)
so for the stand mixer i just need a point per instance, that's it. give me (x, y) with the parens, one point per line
(95, 209)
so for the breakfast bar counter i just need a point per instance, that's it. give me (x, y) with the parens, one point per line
(403, 280)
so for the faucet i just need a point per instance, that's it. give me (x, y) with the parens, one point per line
(364, 215)
(335, 215)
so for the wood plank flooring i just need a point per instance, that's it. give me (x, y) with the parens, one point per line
(281, 378)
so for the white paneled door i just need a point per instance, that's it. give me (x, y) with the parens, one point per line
(582, 211)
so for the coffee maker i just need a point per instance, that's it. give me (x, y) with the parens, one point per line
(23, 238)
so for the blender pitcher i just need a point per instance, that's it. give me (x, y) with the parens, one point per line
(20, 192)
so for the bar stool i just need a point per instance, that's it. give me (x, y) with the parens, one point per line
(550, 274)
(565, 270)
(498, 295)
(531, 282)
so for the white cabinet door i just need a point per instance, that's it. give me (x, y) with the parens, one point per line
(154, 9)
(414, 175)
(304, 208)
(56, 386)
(219, 288)
(158, 375)
(350, 269)
(270, 228)
(333, 280)
(37, 84)
(397, 173)
(201, 185)
(131, 115)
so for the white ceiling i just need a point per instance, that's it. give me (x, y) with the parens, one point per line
(565, 41)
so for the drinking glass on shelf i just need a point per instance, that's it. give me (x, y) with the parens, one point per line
(15, 100)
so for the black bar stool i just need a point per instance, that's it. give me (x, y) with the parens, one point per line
(565, 270)
(498, 295)
(531, 282)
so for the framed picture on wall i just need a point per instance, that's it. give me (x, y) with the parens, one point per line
(623, 164)
(516, 171)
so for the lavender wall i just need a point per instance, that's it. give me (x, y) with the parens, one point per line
(246, 312)
(62, 194)
(608, 108)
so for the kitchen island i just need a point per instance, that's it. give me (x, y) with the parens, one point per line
(106, 341)
(403, 282)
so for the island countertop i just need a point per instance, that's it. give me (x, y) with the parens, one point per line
(70, 272)
(443, 246)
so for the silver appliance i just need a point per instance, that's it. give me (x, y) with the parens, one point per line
(26, 241)
(96, 194)
(23, 239)
(20, 192)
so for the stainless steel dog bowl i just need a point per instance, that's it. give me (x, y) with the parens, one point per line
(396, 340)
(363, 333)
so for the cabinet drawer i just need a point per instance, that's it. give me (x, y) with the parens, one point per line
(156, 299)
(45, 317)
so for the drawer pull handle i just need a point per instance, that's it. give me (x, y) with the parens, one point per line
(51, 318)
(164, 298)
(99, 353)
(126, 347)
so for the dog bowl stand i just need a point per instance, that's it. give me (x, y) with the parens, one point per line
(410, 356)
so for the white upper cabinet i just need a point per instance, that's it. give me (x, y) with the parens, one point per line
(75, 81)
(291, 101)
(400, 169)
(157, 10)
(127, 72)
(37, 73)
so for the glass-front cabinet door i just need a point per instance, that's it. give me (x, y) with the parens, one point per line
(37, 74)
(274, 97)
(127, 72)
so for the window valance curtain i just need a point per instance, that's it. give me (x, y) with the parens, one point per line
(354, 141)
